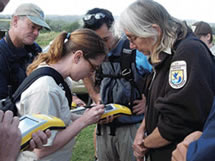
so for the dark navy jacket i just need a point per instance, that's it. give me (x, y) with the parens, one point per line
(14, 62)
(203, 148)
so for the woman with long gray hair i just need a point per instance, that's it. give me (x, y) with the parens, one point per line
(180, 91)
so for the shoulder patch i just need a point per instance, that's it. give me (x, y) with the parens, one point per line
(178, 74)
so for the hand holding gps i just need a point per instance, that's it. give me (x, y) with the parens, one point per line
(32, 123)
(110, 109)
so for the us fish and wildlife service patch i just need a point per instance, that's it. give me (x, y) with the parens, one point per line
(178, 74)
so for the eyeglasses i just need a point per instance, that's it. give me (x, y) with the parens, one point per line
(132, 38)
(93, 67)
(97, 16)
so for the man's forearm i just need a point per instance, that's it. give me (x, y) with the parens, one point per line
(155, 140)
(89, 84)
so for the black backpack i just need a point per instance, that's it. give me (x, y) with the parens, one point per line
(9, 103)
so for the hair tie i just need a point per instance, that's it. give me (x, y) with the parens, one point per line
(67, 37)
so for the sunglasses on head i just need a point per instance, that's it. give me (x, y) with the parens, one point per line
(97, 16)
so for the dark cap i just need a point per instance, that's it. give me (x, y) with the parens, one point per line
(202, 28)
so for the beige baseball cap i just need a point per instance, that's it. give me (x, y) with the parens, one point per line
(34, 13)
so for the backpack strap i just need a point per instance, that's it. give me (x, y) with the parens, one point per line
(43, 71)
(128, 56)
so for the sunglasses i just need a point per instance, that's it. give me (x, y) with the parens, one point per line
(97, 16)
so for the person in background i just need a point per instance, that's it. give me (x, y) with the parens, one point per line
(179, 92)
(205, 33)
(10, 135)
(181, 152)
(115, 88)
(75, 55)
(17, 48)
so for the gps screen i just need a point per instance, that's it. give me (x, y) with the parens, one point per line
(26, 124)
(109, 108)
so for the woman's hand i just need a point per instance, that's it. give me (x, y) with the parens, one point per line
(138, 145)
(93, 114)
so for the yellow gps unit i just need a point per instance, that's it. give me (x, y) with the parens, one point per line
(32, 123)
(110, 109)
(115, 110)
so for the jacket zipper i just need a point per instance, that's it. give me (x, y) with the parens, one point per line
(154, 75)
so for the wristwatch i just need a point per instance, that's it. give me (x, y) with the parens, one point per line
(74, 94)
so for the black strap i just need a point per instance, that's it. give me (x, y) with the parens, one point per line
(43, 71)
(127, 57)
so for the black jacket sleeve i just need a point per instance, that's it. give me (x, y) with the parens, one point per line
(4, 78)
(184, 110)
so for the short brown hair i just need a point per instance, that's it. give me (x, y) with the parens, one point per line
(202, 29)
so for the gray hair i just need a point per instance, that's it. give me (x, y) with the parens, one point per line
(139, 17)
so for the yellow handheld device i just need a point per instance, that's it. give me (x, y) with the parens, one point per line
(116, 110)
(110, 109)
(32, 123)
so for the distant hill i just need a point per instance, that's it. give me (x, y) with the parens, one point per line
(66, 18)
(5, 16)
(4, 24)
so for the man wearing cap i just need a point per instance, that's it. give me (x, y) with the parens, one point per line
(10, 135)
(17, 48)
(204, 32)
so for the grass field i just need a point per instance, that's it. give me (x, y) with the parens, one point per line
(84, 149)
(44, 38)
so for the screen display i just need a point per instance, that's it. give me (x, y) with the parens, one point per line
(26, 124)
(109, 108)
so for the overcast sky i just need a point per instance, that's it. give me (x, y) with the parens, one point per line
(182, 9)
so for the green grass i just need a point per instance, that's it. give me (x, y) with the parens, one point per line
(84, 148)
(44, 38)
